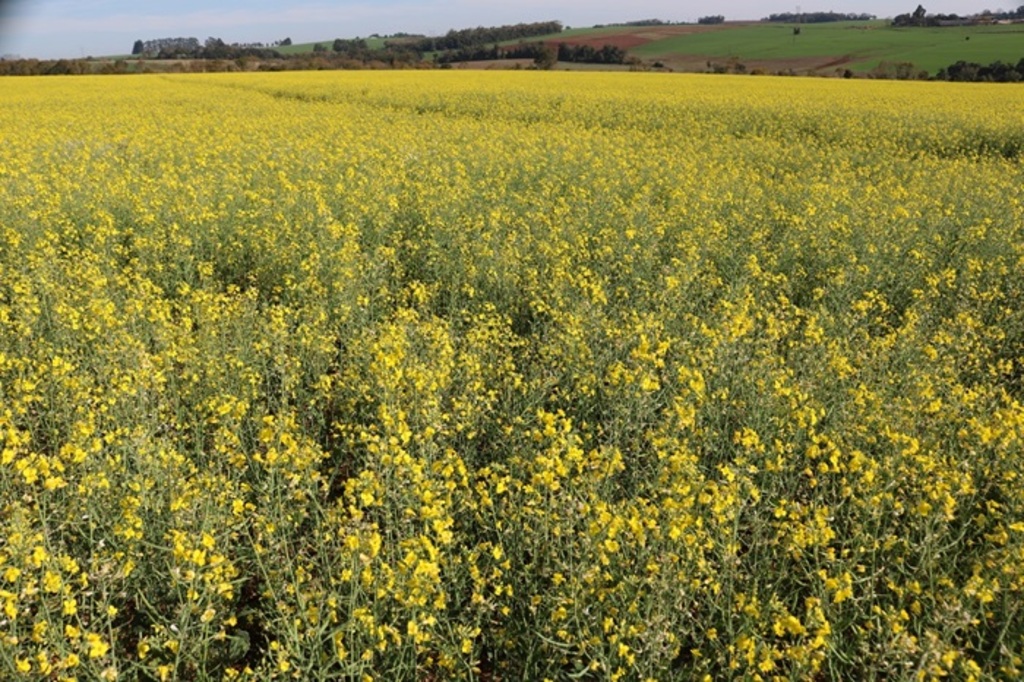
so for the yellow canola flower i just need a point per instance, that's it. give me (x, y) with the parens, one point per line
(569, 359)
(96, 646)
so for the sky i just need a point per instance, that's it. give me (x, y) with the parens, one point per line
(49, 29)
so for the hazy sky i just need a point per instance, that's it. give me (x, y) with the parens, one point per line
(75, 28)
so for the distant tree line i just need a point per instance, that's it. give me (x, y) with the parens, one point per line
(358, 49)
(971, 72)
(648, 22)
(713, 19)
(321, 61)
(587, 54)
(1012, 15)
(215, 48)
(920, 17)
(475, 37)
(44, 67)
(905, 20)
(816, 17)
(642, 22)
(191, 48)
(155, 47)
(485, 53)
(541, 53)
(347, 46)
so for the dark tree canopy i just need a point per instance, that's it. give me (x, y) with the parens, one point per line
(816, 17)
(544, 55)
(474, 37)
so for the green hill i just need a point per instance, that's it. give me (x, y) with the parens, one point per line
(858, 46)
(861, 47)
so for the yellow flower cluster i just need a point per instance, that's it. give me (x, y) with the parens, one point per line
(510, 376)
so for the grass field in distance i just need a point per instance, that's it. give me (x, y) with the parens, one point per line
(773, 47)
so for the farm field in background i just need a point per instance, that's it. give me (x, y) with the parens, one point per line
(475, 375)
(858, 46)
(861, 46)
(821, 48)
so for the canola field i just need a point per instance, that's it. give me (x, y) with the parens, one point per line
(518, 376)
